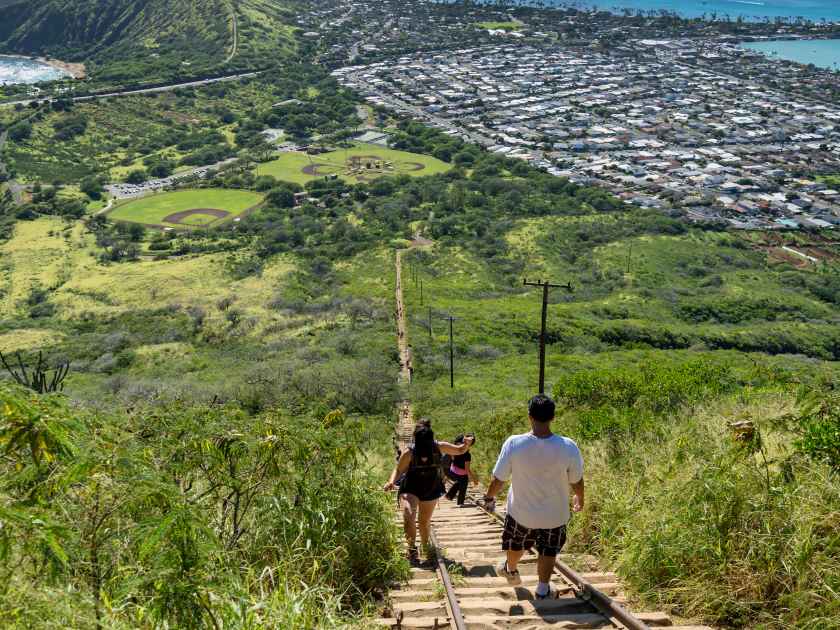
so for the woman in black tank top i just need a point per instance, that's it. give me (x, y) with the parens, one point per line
(421, 482)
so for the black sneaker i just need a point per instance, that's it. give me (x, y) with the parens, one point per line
(413, 556)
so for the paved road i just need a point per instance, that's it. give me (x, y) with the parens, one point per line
(164, 88)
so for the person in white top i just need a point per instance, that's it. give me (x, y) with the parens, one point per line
(542, 467)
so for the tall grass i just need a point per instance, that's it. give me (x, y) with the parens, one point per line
(698, 522)
(735, 533)
(188, 516)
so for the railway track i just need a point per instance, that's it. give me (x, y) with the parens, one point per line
(459, 588)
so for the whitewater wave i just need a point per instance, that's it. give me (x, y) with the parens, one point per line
(16, 71)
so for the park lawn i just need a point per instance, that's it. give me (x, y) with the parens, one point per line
(831, 180)
(289, 167)
(500, 26)
(155, 208)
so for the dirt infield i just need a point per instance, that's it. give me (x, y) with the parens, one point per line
(320, 170)
(362, 167)
(177, 218)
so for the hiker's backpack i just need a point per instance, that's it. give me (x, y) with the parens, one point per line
(445, 463)
(430, 472)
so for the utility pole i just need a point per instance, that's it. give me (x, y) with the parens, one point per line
(629, 256)
(421, 292)
(430, 322)
(546, 286)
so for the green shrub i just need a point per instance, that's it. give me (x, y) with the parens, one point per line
(180, 516)
(818, 426)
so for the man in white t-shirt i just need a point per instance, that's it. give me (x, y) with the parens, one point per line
(543, 467)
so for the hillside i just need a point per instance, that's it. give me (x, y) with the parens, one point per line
(264, 350)
(143, 39)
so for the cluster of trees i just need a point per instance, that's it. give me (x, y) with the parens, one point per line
(48, 201)
(118, 241)
(309, 101)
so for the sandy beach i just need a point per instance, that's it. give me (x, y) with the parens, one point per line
(76, 70)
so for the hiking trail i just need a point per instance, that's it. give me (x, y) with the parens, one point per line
(460, 589)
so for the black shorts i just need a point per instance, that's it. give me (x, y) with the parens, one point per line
(423, 491)
(516, 537)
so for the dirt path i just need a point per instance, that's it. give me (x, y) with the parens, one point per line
(235, 22)
(405, 424)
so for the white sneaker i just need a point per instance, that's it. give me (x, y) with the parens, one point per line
(512, 577)
(548, 594)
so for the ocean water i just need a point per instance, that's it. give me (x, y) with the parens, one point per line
(820, 52)
(19, 70)
(814, 10)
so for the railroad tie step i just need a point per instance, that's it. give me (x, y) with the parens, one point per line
(412, 595)
(510, 593)
(491, 622)
(599, 580)
(503, 607)
(657, 619)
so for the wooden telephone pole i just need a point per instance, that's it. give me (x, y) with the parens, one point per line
(546, 287)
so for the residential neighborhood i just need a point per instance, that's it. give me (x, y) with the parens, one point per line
(669, 124)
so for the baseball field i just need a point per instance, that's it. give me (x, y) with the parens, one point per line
(205, 207)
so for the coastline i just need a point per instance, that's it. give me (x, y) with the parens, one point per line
(75, 70)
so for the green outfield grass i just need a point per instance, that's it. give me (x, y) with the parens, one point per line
(155, 209)
(500, 26)
(301, 168)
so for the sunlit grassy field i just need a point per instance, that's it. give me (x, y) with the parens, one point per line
(291, 166)
(154, 209)
(504, 26)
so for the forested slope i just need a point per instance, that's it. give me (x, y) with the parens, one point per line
(122, 39)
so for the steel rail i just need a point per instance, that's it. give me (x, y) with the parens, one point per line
(611, 609)
(456, 617)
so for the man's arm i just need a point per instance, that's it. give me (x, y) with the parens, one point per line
(579, 490)
(501, 469)
(495, 488)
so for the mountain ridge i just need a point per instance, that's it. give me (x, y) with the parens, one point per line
(121, 40)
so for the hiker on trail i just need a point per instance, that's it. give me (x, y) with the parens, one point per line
(543, 468)
(459, 472)
(420, 480)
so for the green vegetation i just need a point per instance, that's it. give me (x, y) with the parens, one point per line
(358, 163)
(155, 209)
(126, 41)
(186, 517)
(155, 134)
(255, 361)
(500, 26)
(641, 361)
(831, 180)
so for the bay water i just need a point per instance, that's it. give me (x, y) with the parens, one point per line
(813, 10)
(22, 70)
